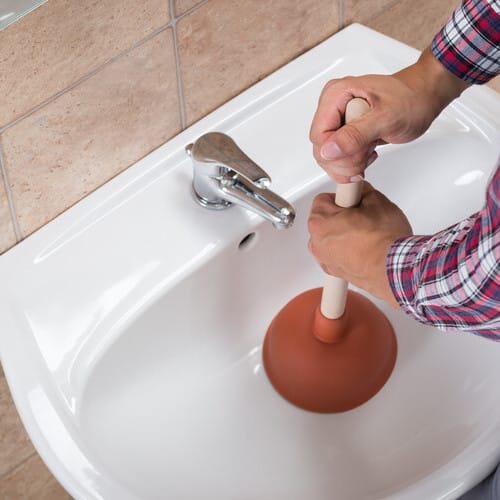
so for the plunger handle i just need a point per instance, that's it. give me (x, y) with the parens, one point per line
(348, 195)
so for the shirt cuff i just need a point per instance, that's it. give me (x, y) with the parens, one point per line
(400, 265)
(469, 44)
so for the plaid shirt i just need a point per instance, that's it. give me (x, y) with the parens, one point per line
(451, 280)
(469, 44)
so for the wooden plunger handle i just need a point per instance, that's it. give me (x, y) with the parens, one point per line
(348, 195)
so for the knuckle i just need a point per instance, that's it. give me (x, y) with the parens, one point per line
(312, 248)
(312, 222)
(315, 133)
(320, 201)
(313, 137)
(330, 84)
(315, 222)
(316, 152)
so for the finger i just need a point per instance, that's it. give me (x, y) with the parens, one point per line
(310, 246)
(323, 211)
(324, 205)
(354, 174)
(312, 249)
(358, 157)
(337, 170)
(325, 269)
(356, 137)
(330, 112)
(367, 188)
(371, 198)
(350, 169)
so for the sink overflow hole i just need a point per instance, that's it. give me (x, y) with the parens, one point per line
(245, 243)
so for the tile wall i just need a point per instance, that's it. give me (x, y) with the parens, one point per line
(88, 88)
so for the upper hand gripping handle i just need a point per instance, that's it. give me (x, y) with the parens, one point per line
(348, 195)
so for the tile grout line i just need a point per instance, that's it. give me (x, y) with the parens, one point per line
(18, 464)
(380, 13)
(180, 88)
(191, 9)
(86, 77)
(10, 199)
(170, 24)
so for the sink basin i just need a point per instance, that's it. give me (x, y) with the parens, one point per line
(132, 324)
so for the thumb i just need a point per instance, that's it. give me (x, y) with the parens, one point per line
(353, 138)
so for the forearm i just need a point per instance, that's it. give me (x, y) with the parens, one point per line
(432, 82)
(451, 280)
(465, 51)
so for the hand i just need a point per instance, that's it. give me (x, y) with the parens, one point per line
(402, 107)
(353, 243)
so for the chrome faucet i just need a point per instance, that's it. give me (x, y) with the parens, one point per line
(223, 174)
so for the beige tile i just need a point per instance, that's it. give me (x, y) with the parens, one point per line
(414, 23)
(31, 480)
(62, 41)
(227, 45)
(362, 11)
(7, 234)
(67, 149)
(16, 446)
(495, 83)
(182, 6)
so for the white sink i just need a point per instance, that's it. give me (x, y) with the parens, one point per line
(132, 325)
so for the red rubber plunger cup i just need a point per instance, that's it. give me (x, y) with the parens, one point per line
(330, 350)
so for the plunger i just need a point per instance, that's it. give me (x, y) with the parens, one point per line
(330, 350)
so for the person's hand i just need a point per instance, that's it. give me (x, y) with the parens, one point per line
(402, 107)
(353, 243)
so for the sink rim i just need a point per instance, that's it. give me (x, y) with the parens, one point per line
(33, 388)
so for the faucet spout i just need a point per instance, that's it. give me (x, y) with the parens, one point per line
(262, 201)
(224, 175)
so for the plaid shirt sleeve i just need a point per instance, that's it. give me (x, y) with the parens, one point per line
(451, 280)
(469, 44)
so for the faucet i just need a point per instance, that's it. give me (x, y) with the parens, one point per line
(223, 174)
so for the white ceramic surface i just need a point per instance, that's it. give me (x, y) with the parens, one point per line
(132, 324)
(12, 10)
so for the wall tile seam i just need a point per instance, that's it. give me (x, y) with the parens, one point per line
(171, 24)
(10, 198)
(336, 7)
(180, 85)
(378, 14)
(180, 89)
(86, 77)
(187, 12)
(17, 465)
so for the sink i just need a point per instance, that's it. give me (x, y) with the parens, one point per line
(132, 324)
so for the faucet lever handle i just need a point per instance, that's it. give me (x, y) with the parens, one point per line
(220, 149)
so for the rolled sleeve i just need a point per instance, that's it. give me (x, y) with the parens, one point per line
(451, 280)
(469, 44)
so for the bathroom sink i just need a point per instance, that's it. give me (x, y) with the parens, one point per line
(132, 324)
